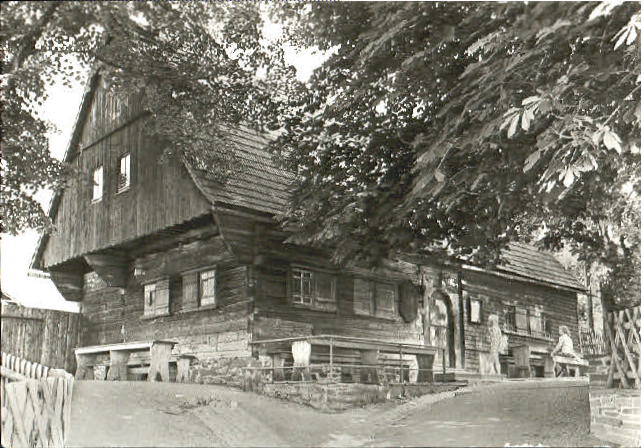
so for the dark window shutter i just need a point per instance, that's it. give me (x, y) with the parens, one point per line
(409, 298)
(190, 290)
(163, 297)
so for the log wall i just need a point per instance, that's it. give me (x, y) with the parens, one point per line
(273, 305)
(44, 336)
(114, 315)
(559, 308)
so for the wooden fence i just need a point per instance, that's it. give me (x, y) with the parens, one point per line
(35, 404)
(592, 342)
(624, 340)
(45, 336)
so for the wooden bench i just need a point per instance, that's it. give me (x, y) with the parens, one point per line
(566, 366)
(148, 357)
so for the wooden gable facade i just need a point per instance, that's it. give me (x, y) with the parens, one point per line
(178, 255)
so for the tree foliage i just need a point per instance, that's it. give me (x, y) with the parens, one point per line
(201, 67)
(468, 125)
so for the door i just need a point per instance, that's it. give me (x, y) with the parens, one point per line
(441, 330)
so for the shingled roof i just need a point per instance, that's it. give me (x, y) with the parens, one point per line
(258, 183)
(261, 185)
(529, 262)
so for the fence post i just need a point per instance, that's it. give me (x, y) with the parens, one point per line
(331, 359)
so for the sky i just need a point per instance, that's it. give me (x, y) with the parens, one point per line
(16, 252)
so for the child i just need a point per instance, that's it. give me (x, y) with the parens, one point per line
(564, 345)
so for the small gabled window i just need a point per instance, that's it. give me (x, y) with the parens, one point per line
(97, 188)
(124, 173)
(207, 287)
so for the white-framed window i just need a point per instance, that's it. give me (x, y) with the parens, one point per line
(207, 287)
(124, 177)
(314, 289)
(97, 186)
(302, 286)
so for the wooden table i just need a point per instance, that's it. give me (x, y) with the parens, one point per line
(525, 355)
(159, 354)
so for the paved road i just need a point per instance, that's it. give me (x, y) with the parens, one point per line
(551, 413)
(546, 412)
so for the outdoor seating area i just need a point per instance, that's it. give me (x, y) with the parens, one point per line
(149, 360)
(534, 360)
(333, 358)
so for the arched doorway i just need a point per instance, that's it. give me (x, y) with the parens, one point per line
(441, 327)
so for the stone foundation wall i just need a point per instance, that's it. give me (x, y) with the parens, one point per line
(341, 396)
(230, 371)
(614, 413)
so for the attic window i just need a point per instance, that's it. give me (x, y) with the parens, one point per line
(97, 188)
(124, 173)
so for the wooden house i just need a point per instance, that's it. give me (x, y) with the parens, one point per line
(165, 251)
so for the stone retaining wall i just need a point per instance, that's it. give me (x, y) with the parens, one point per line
(614, 413)
(340, 396)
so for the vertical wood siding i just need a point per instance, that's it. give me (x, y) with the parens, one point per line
(47, 337)
(161, 194)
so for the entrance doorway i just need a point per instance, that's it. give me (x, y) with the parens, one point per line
(441, 330)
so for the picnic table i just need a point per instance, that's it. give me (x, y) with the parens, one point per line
(143, 357)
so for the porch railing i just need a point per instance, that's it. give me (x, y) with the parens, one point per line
(396, 369)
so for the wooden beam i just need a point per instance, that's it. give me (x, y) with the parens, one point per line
(69, 284)
(113, 269)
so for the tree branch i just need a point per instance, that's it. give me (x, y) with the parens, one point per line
(28, 44)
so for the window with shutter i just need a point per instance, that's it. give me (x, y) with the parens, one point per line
(536, 324)
(207, 288)
(510, 321)
(324, 291)
(149, 298)
(162, 305)
(521, 319)
(371, 298)
(190, 290)
(385, 300)
(302, 286)
(362, 297)
(156, 298)
(314, 289)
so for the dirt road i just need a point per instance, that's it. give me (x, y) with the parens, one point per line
(553, 413)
